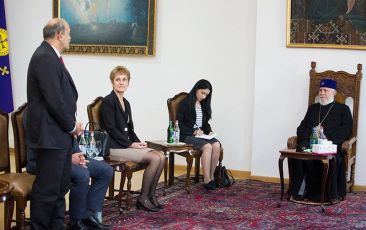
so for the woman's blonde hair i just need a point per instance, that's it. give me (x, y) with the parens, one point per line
(119, 70)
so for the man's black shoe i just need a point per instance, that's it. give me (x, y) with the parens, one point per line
(77, 225)
(92, 223)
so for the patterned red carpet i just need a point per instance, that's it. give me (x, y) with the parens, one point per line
(248, 204)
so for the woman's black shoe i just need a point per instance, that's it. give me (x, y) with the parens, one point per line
(144, 205)
(210, 185)
(299, 197)
(155, 202)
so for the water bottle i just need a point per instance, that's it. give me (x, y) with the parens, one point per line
(176, 132)
(321, 134)
(314, 137)
(87, 140)
(82, 144)
(170, 133)
(92, 145)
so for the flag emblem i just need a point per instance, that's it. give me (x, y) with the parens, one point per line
(4, 50)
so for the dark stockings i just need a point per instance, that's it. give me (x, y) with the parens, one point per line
(155, 163)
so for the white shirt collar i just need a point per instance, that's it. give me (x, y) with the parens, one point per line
(58, 53)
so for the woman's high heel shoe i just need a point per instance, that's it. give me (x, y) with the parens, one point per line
(155, 202)
(144, 205)
(210, 185)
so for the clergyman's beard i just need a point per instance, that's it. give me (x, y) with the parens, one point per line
(326, 101)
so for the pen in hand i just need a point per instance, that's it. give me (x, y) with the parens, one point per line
(198, 131)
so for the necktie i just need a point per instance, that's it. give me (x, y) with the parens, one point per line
(62, 60)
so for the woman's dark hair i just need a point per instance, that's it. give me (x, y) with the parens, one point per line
(206, 103)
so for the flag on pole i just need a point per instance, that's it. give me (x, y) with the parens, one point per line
(6, 95)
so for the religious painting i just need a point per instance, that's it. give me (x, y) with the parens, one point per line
(109, 26)
(326, 23)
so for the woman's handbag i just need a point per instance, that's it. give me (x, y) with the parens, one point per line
(223, 177)
(100, 135)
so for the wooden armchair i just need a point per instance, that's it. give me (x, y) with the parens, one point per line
(125, 168)
(173, 105)
(5, 169)
(348, 90)
(22, 181)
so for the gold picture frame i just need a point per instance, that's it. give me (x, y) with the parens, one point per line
(123, 27)
(326, 24)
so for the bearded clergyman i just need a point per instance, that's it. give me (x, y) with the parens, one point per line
(335, 121)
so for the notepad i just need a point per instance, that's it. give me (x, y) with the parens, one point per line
(207, 137)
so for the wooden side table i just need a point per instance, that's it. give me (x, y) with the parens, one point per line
(168, 150)
(7, 198)
(325, 159)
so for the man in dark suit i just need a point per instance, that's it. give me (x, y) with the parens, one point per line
(86, 201)
(51, 124)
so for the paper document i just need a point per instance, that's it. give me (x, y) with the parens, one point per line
(207, 137)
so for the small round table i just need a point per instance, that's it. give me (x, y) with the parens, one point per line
(5, 196)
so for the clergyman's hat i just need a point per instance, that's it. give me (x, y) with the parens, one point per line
(328, 83)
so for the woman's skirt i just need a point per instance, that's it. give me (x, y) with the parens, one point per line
(128, 154)
(199, 142)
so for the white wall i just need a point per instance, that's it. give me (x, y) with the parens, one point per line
(195, 39)
(281, 86)
(239, 45)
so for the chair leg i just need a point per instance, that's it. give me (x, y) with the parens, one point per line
(111, 187)
(197, 169)
(22, 218)
(17, 214)
(352, 178)
(128, 195)
(8, 213)
(189, 160)
(165, 173)
(171, 169)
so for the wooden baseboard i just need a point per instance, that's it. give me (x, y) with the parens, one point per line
(359, 188)
(237, 174)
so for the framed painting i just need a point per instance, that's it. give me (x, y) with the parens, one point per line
(326, 23)
(109, 26)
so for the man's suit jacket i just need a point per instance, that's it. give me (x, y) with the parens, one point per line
(115, 122)
(52, 98)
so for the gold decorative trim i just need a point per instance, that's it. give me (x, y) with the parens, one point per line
(312, 45)
(148, 49)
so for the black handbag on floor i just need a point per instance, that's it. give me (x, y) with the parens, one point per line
(101, 135)
(223, 177)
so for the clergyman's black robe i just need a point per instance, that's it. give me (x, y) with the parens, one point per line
(337, 128)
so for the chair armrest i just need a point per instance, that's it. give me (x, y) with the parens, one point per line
(292, 142)
(347, 145)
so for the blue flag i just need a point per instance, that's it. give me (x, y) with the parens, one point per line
(6, 95)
